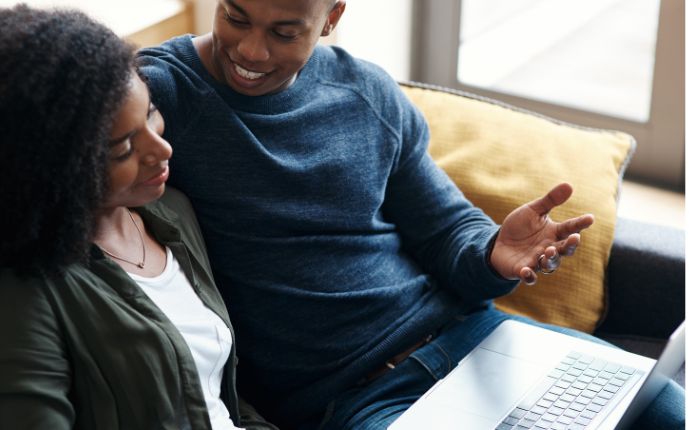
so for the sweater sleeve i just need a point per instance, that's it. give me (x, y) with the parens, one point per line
(34, 370)
(449, 237)
(250, 419)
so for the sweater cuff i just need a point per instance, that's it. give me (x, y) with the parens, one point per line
(502, 284)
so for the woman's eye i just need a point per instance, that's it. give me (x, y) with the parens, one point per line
(122, 155)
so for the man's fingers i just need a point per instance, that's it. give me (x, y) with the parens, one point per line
(574, 225)
(528, 276)
(568, 246)
(550, 260)
(555, 197)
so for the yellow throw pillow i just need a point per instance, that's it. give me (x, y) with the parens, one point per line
(502, 157)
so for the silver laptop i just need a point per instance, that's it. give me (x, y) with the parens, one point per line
(524, 377)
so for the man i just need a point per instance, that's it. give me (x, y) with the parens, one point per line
(340, 248)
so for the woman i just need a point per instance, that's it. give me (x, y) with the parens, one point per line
(109, 317)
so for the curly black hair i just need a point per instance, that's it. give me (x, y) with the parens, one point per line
(63, 77)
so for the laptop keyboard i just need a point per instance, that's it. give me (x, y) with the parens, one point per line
(571, 396)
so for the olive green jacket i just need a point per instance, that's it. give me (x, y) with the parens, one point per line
(92, 351)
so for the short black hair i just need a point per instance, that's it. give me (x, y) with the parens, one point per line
(63, 77)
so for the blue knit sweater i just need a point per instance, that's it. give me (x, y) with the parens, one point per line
(334, 238)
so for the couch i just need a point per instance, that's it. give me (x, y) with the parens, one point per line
(636, 297)
(646, 288)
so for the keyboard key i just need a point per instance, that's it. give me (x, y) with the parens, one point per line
(611, 388)
(585, 379)
(531, 417)
(511, 421)
(543, 424)
(567, 398)
(556, 411)
(583, 400)
(546, 403)
(622, 375)
(595, 408)
(628, 370)
(581, 366)
(617, 382)
(503, 426)
(575, 426)
(573, 391)
(600, 381)
(549, 417)
(562, 384)
(600, 401)
(594, 387)
(598, 364)
(565, 420)
(583, 421)
(557, 391)
(612, 368)
(518, 413)
(574, 354)
(590, 394)
(561, 404)
(588, 414)
(579, 385)
(558, 426)
(605, 375)
(591, 372)
(568, 378)
(540, 410)
(562, 366)
(574, 372)
(571, 413)
(577, 406)
(586, 359)
(606, 395)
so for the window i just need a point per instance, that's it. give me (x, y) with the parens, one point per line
(615, 64)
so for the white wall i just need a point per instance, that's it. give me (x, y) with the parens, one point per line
(379, 31)
(204, 15)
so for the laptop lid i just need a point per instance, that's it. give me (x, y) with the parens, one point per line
(668, 364)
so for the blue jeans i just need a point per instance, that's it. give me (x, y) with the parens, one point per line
(378, 403)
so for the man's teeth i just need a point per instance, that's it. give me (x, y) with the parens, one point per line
(247, 74)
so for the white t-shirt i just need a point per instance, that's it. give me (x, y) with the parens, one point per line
(206, 334)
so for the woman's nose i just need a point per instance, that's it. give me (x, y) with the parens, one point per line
(158, 149)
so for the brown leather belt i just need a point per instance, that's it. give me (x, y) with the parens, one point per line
(394, 361)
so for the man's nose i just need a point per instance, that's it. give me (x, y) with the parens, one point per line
(253, 46)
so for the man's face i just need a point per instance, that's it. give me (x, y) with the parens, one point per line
(259, 46)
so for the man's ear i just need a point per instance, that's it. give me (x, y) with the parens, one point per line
(333, 17)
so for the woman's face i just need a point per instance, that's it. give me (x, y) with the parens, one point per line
(138, 167)
(259, 46)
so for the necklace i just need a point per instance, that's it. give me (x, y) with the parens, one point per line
(141, 238)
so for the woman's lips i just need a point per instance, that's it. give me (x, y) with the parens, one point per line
(157, 179)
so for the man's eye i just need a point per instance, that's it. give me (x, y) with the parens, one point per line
(285, 36)
(233, 20)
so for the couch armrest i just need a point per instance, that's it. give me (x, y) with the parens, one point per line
(645, 280)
